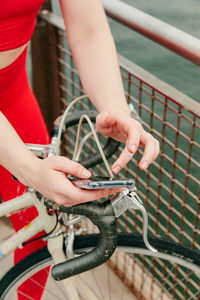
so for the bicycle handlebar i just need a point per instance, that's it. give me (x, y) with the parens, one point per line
(94, 158)
(102, 215)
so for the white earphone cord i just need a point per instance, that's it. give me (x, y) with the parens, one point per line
(78, 134)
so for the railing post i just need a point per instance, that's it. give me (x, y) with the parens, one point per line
(44, 68)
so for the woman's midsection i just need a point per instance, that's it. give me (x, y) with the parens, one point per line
(13, 74)
(9, 56)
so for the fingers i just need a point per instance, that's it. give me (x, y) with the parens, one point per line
(105, 119)
(124, 129)
(54, 185)
(133, 129)
(122, 160)
(81, 196)
(151, 150)
(68, 194)
(68, 166)
(134, 136)
(104, 122)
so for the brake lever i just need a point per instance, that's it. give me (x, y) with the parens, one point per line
(129, 199)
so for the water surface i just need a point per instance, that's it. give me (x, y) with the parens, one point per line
(170, 67)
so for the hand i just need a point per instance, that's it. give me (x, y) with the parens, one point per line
(51, 181)
(125, 129)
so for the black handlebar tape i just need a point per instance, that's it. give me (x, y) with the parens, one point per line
(102, 215)
(95, 158)
(109, 149)
(74, 117)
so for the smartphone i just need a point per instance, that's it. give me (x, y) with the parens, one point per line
(99, 182)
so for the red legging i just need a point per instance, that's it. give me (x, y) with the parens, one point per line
(18, 104)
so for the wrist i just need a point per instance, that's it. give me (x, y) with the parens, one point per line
(27, 171)
(117, 110)
(111, 103)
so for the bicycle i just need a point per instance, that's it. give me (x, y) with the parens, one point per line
(66, 239)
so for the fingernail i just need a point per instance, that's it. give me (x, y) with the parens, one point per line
(116, 169)
(144, 165)
(86, 173)
(133, 148)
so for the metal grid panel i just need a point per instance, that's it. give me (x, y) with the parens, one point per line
(170, 187)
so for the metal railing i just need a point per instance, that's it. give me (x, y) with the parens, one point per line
(170, 187)
(166, 35)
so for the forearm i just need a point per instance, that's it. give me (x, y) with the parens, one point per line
(100, 74)
(48, 176)
(14, 155)
(95, 55)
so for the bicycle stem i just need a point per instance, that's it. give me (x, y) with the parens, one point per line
(42, 151)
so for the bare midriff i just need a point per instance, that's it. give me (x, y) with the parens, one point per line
(9, 56)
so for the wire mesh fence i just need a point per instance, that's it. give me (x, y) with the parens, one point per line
(169, 188)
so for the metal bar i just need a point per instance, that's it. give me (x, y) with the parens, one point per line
(162, 87)
(53, 19)
(166, 35)
(149, 79)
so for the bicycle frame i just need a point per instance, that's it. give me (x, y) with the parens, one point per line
(47, 222)
(43, 221)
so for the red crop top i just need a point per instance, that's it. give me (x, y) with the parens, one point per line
(17, 22)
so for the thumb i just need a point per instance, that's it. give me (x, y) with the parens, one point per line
(68, 166)
(104, 120)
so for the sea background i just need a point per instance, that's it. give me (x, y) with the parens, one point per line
(163, 63)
